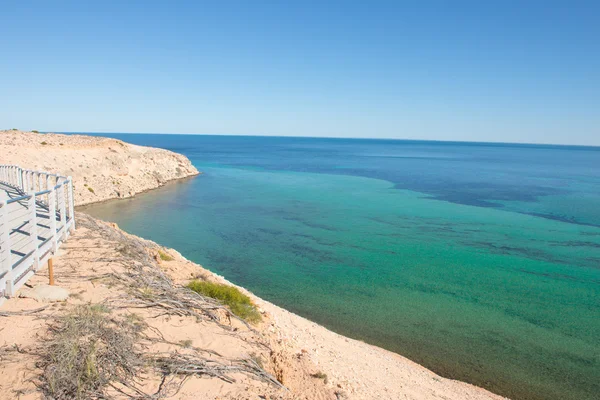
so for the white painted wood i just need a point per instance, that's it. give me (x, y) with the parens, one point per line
(33, 231)
(6, 256)
(57, 204)
(22, 281)
(52, 213)
(62, 207)
(71, 202)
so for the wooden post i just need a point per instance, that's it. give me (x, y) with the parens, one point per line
(5, 255)
(71, 202)
(51, 271)
(62, 208)
(52, 218)
(33, 231)
(23, 184)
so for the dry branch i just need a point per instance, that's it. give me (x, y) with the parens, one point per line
(147, 286)
(24, 312)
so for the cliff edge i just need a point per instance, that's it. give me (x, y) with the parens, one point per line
(102, 168)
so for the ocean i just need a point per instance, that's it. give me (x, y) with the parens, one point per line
(479, 261)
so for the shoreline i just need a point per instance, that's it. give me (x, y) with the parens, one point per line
(305, 333)
(97, 266)
(101, 168)
(130, 197)
(174, 181)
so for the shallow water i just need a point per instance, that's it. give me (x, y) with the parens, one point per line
(481, 262)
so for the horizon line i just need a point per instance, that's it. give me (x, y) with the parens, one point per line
(338, 137)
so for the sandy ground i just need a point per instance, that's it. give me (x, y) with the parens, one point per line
(101, 168)
(92, 264)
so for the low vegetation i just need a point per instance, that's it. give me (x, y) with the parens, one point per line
(44, 143)
(238, 303)
(91, 352)
(88, 351)
(34, 131)
(96, 351)
(91, 190)
(164, 256)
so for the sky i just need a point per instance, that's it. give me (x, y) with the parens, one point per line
(500, 71)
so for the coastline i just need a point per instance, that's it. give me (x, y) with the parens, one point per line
(101, 168)
(346, 360)
(90, 266)
(354, 369)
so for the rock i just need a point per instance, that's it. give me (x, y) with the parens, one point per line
(45, 293)
(93, 161)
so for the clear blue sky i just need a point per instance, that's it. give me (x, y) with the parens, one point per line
(517, 71)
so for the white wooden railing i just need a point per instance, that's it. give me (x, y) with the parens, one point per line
(37, 214)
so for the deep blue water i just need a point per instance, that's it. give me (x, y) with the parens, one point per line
(499, 175)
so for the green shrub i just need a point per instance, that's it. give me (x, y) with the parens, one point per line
(34, 131)
(44, 143)
(238, 303)
(91, 190)
(164, 256)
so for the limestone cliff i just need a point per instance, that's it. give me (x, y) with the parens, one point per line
(101, 168)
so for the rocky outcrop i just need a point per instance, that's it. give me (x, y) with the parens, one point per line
(101, 168)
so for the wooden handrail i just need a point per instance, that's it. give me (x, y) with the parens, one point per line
(36, 217)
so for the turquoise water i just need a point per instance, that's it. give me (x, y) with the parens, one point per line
(481, 262)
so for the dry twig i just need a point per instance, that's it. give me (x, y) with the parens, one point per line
(24, 312)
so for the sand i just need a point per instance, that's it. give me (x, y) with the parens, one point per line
(295, 350)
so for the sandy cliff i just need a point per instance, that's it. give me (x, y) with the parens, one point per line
(100, 264)
(101, 168)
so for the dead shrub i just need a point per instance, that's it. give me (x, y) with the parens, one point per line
(89, 350)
